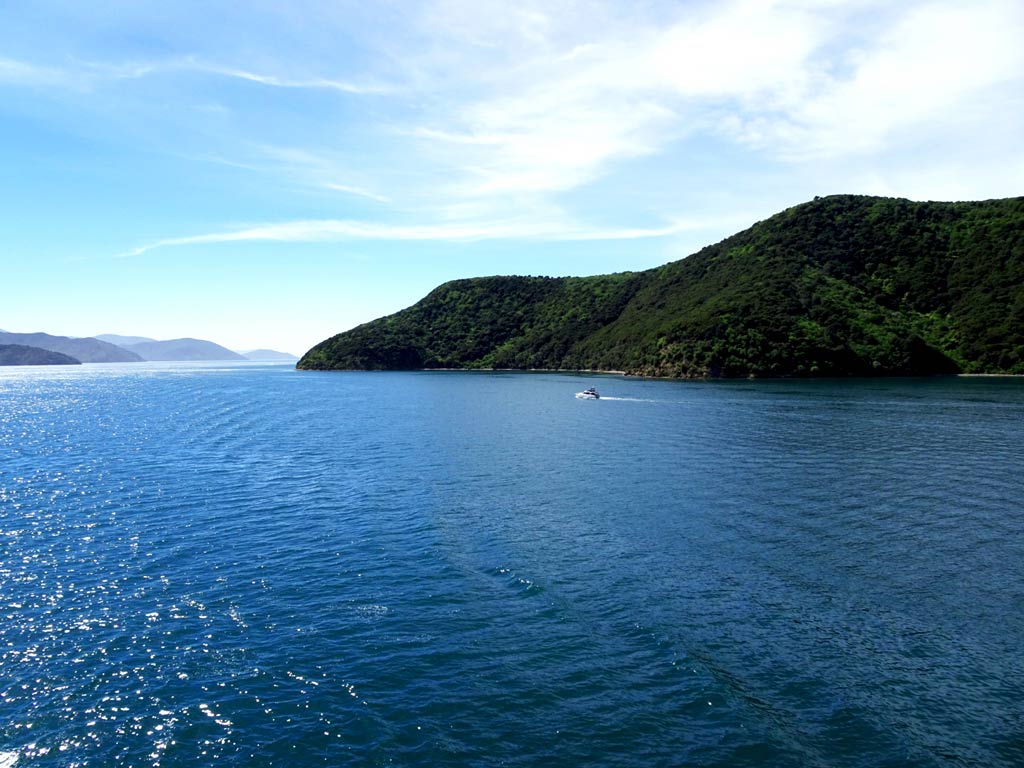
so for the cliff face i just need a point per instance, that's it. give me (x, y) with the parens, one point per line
(843, 285)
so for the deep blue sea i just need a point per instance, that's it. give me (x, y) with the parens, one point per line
(247, 565)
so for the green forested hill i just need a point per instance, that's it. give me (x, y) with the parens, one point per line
(843, 285)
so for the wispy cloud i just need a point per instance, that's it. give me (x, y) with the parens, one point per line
(78, 73)
(320, 170)
(303, 168)
(276, 81)
(336, 230)
(357, 191)
(15, 72)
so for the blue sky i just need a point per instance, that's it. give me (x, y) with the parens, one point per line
(267, 174)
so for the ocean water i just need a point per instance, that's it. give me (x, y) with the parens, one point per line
(246, 565)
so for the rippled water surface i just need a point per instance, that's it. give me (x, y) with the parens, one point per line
(252, 566)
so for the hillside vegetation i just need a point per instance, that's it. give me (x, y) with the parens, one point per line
(19, 354)
(842, 285)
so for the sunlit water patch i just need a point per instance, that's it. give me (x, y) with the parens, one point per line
(248, 565)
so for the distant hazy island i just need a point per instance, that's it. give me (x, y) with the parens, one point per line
(114, 348)
(18, 354)
(189, 349)
(86, 350)
(269, 356)
(182, 349)
(843, 285)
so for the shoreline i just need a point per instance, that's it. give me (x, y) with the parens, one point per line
(625, 374)
(988, 375)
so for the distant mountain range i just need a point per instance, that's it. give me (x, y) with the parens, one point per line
(188, 349)
(88, 350)
(844, 285)
(18, 354)
(122, 341)
(115, 348)
(182, 349)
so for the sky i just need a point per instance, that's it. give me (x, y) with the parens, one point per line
(269, 174)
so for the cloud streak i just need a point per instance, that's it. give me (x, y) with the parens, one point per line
(23, 73)
(340, 230)
(91, 73)
(357, 191)
(275, 81)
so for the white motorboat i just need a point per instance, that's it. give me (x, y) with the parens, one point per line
(588, 394)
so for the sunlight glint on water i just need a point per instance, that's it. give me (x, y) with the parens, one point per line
(248, 565)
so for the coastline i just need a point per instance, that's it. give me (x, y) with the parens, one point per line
(626, 374)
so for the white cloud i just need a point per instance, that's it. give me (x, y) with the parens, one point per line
(751, 49)
(931, 71)
(564, 114)
(797, 80)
